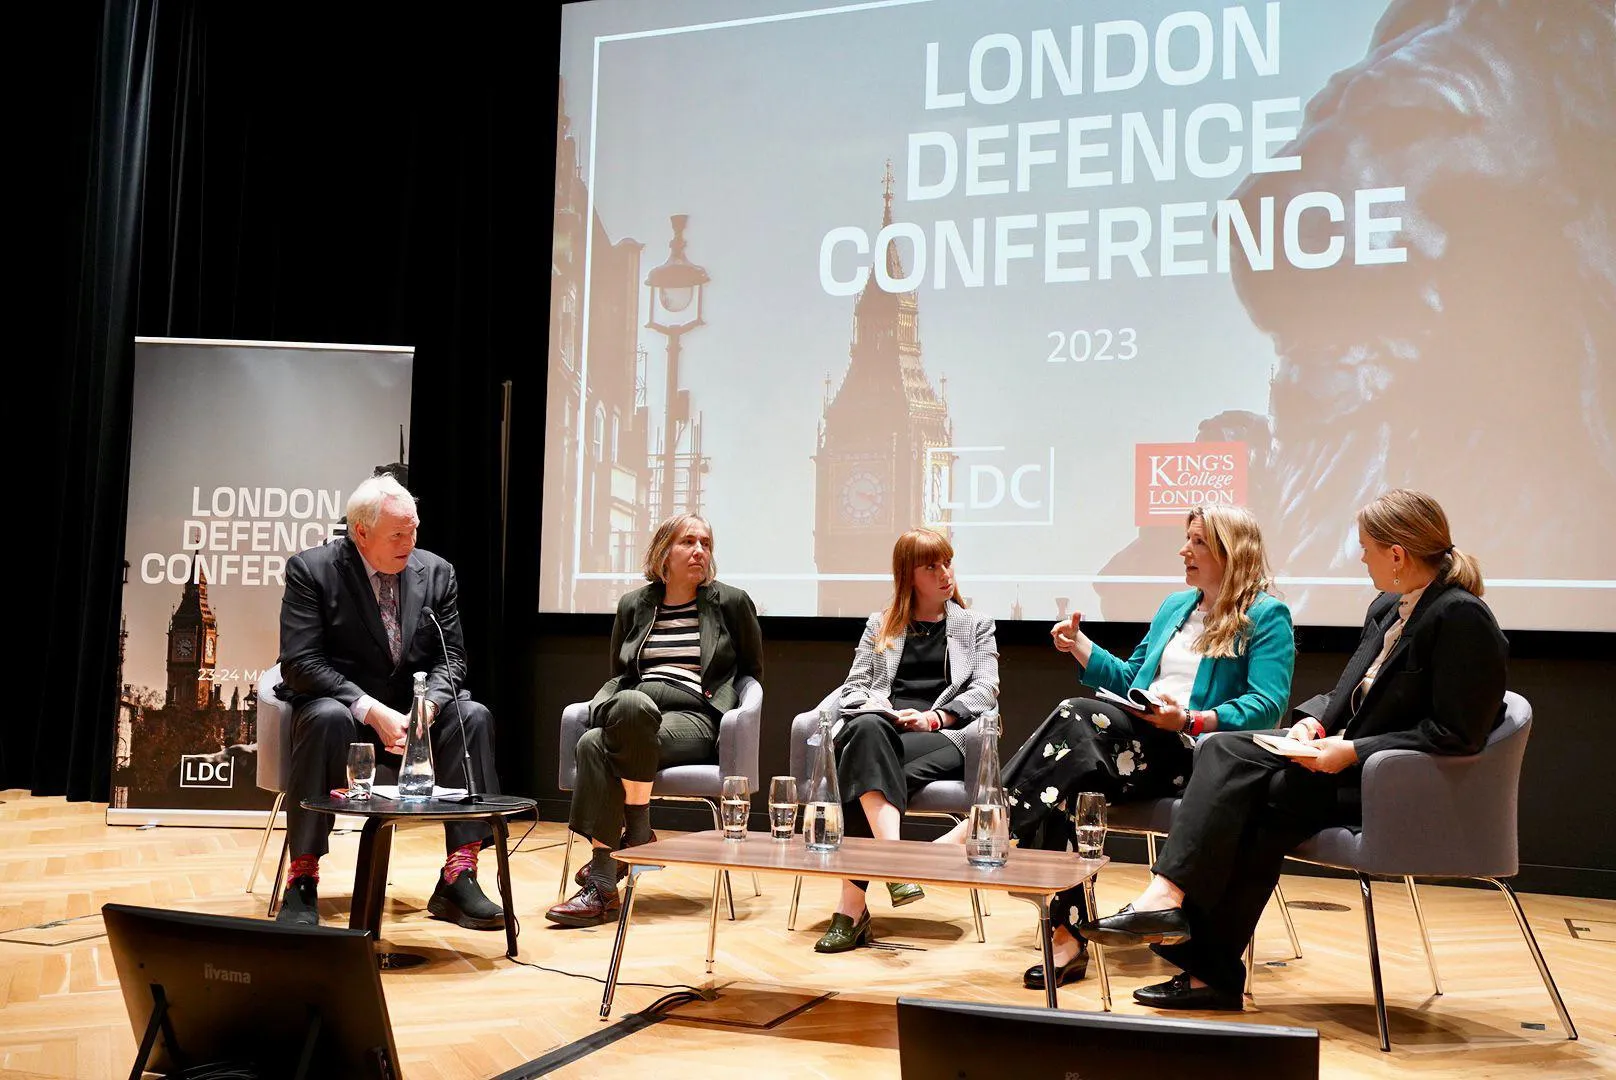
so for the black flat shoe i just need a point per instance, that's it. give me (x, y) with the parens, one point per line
(1070, 972)
(1177, 993)
(1130, 927)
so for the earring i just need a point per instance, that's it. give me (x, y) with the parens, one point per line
(1397, 580)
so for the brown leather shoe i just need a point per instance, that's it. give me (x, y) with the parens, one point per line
(589, 906)
(581, 878)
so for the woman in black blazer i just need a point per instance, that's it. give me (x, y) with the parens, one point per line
(680, 646)
(1428, 675)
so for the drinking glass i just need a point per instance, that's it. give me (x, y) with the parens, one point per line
(1088, 815)
(782, 806)
(361, 769)
(736, 804)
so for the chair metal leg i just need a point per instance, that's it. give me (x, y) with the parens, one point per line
(1537, 955)
(263, 841)
(566, 866)
(280, 874)
(1425, 936)
(1290, 927)
(1251, 964)
(976, 915)
(796, 894)
(1374, 963)
(1150, 850)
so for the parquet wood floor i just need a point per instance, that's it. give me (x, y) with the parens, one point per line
(471, 1013)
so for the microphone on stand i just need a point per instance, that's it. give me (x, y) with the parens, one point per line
(454, 696)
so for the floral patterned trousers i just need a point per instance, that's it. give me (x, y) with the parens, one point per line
(1087, 745)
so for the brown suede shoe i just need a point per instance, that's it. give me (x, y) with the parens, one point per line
(587, 907)
(581, 878)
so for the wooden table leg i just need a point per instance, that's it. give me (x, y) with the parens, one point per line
(501, 842)
(370, 876)
(712, 921)
(622, 936)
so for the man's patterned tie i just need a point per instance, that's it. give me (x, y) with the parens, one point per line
(387, 599)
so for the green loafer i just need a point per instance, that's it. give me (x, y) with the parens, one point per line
(904, 892)
(844, 934)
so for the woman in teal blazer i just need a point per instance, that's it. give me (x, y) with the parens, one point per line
(1218, 657)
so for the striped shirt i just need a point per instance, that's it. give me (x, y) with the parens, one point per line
(672, 650)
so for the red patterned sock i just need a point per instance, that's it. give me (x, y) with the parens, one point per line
(303, 866)
(460, 860)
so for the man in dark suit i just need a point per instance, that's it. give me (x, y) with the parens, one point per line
(354, 629)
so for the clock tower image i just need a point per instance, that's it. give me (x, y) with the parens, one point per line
(871, 464)
(193, 638)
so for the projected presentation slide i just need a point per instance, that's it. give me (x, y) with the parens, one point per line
(1047, 275)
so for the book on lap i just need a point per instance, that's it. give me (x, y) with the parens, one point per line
(1285, 746)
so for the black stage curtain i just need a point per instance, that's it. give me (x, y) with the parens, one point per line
(296, 172)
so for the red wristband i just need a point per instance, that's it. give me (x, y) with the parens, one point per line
(1197, 723)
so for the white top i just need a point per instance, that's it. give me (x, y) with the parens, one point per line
(1180, 662)
(1394, 632)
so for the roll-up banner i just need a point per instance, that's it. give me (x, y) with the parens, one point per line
(243, 453)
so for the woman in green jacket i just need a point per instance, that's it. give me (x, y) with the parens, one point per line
(1218, 657)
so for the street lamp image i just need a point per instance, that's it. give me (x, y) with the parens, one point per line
(675, 286)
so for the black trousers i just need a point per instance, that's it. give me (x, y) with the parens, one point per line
(321, 731)
(873, 755)
(1243, 810)
(640, 730)
(1086, 744)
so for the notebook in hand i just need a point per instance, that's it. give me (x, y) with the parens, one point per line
(879, 710)
(1138, 699)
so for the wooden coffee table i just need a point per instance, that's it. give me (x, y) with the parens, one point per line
(1033, 876)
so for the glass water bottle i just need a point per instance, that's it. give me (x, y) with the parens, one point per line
(822, 806)
(987, 840)
(416, 776)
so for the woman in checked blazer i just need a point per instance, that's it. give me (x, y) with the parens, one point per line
(925, 669)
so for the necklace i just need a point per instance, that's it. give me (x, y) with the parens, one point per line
(924, 629)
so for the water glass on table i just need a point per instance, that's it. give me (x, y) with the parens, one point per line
(735, 806)
(1088, 817)
(782, 807)
(361, 769)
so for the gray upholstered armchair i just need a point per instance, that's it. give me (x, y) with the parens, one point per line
(1430, 816)
(738, 733)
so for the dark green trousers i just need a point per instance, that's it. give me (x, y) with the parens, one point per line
(650, 727)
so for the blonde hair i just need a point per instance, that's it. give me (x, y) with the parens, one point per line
(656, 556)
(1415, 522)
(1233, 538)
(917, 547)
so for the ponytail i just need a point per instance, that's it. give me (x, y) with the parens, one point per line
(1461, 569)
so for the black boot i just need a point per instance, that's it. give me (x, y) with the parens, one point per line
(300, 903)
(463, 903)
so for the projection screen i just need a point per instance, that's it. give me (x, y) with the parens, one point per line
(1045, 275)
